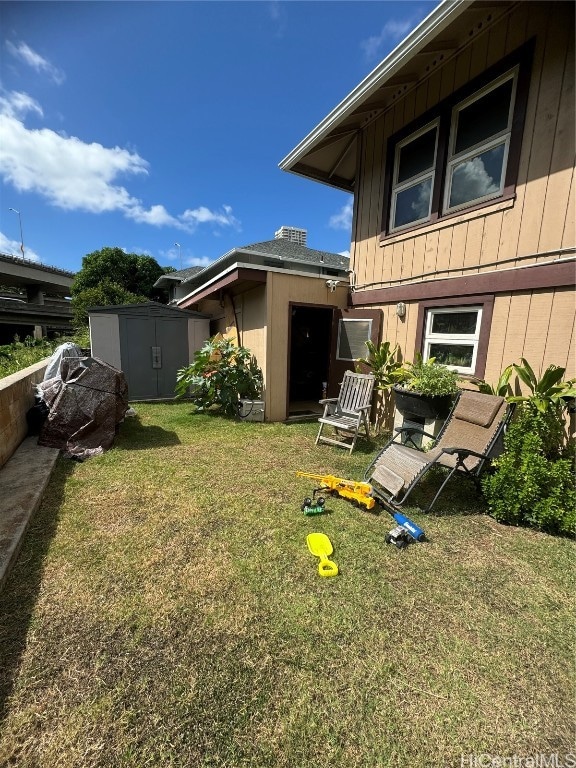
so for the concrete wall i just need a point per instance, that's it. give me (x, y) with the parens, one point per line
(16, 397)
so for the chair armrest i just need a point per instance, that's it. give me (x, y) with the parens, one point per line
(465, 452)
(414, 430)
(328, 400)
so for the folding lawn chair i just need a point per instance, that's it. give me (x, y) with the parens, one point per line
(348, 412)
(470, 437)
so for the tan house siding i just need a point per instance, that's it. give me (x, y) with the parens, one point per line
(535, 226)
(539, 220)
(281, 290)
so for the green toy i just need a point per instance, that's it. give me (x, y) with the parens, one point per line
(313, 507)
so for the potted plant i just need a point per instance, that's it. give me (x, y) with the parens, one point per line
(425, 389)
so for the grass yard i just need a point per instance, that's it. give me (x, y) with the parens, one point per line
(165, 611)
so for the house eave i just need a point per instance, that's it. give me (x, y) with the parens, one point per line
(429, 29)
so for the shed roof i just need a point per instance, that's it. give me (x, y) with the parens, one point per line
(146, 308)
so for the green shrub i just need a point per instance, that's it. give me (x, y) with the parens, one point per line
(533, 481)
(220, 374)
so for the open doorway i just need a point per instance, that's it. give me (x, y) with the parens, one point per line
(310, 339)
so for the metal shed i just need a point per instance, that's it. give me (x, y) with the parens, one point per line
(148, 342)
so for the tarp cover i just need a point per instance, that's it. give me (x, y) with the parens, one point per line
(87, 401)
(68, 349)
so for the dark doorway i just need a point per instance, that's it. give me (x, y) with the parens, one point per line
(310, 339)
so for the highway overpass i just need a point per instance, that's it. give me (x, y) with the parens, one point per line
(41, 305)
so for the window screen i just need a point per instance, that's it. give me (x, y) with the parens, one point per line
(352, 335)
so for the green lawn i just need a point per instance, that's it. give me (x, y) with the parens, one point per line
(165, 611)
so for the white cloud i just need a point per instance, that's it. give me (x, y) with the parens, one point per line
(203, 215)
(16, 104)
(342, 219)
(471, 180)
(198, 261)
(24, 53)
(73, 175)
(12, 248)
(344, 253)
(391, 34)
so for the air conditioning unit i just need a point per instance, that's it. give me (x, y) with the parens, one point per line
(252, 410)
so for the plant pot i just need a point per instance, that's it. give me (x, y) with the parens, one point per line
(410, 403)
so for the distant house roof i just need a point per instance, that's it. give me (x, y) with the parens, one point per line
(256, 259)
(176, 277)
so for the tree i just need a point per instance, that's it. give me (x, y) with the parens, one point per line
(111, 276)
(104, 295)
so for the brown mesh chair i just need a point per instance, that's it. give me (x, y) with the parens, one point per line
(471, 436)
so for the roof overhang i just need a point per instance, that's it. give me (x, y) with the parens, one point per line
(239, 279)
(328, 153)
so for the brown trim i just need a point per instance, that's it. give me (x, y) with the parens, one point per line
(508, 194)
(536, 276)
(442, 112)
(487, 303)
(251, 275)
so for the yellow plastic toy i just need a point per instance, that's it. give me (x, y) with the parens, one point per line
(320, 546)
(358, 493)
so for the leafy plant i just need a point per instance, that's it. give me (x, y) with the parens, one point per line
(547, 392)
(384, 362)
(533, 481)
(502, 386)
(220, 374)
(428, 378)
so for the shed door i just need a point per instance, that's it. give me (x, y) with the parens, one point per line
(172, 341)
(153, 349)
(350, 329)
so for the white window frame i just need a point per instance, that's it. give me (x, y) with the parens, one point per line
(341, 326)
(418, 179)
(448, 338)
(502, 137)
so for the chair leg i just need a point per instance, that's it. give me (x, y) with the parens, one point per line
(319, 433)
(439, 491)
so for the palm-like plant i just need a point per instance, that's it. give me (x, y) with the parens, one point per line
(384, 362)
(548, 391)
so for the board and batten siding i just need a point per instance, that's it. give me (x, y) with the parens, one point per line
(536, 227)
(539, 220)
(281, 290)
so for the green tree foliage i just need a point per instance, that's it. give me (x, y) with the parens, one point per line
(220, 374)
(111, 276)
(104, 295)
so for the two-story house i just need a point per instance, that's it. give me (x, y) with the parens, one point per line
(459, 151)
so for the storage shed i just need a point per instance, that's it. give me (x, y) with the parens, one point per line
(148, 342)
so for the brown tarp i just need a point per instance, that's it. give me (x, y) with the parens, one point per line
(87, 401)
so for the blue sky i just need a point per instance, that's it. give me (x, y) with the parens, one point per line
(145, 124)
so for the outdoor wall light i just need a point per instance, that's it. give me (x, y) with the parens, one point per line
(401, 309)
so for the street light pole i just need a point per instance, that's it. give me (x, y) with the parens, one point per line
(21, 235)
(179, 253)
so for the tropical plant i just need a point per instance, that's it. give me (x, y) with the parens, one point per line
(220, 374)
(547, 392)
(428, 378)
(502, 386)
(384, 362)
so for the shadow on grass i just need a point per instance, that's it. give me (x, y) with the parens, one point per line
(20, 594)
(135, 436)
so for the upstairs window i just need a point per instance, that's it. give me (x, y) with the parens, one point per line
(479, 144)
(414, 168)
(463, 153)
